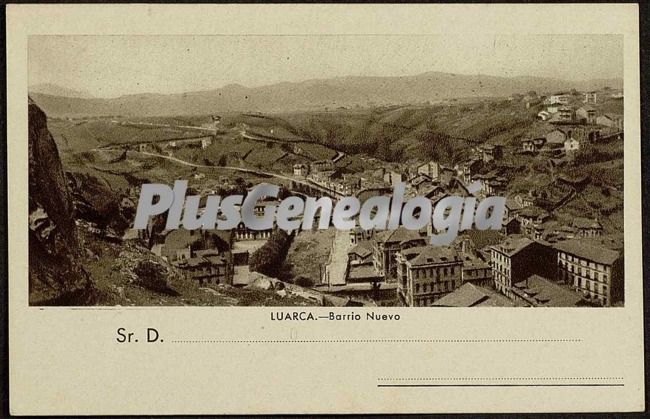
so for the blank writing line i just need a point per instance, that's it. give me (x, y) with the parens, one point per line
(380, 341)
(503, 385)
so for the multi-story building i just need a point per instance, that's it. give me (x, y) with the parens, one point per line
(476, 271)
(595, 271)
(565, 114)
(387, 243)
(532, 145)
(207, 266)
(492, 152)
(394, 177)
(359, 234)
(587, 228)
(531, 218)
(300, 169)
(427, 273)
(321, 165)
(465, 170)
(242, 232)
(586, 114)
(591, 97)
(559, 99)
(516, 259)
(431, 169)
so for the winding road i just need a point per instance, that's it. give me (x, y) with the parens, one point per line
(234, 168)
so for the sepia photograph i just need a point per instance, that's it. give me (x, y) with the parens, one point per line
(325, 209)
(329, 123)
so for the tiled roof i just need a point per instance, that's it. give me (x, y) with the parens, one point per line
(399, 235)
(581, 222)
(365, 271)
(533, 212)
(206, 252)
(470, 295)
(513, 245)
(472, 262)
(612, 116)
(363, 248)
(483, 238)
(512, 204)
(181, 239)
(427, 255)
(583, 250)
(543, 292)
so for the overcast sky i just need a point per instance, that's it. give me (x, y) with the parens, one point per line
(110, 66)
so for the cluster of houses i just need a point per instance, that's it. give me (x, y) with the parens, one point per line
(168, 146)
(205, 257)
(534, 260)
(558, 142)
(562, 109)
(325, 174)
(568, 125)
(202, 256)
(508, 270)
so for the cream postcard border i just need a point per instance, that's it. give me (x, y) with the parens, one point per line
(66, 361)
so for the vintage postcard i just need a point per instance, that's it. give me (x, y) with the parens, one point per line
(324, 209)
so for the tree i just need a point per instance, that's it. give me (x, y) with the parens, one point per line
(303, 281)
(240, 186)
(223, 160)
(269, 258)
(436, 145)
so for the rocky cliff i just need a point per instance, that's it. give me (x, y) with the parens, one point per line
(56, 276)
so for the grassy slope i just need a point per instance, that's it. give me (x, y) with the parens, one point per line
(308, 252)
(391, 133)
(115, 288)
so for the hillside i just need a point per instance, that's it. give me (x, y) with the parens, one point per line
(312, 94)
(56, 90)
(56, 275)
(77, 214)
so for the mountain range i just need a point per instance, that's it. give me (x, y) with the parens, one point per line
(56, 90)
(307, 95)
